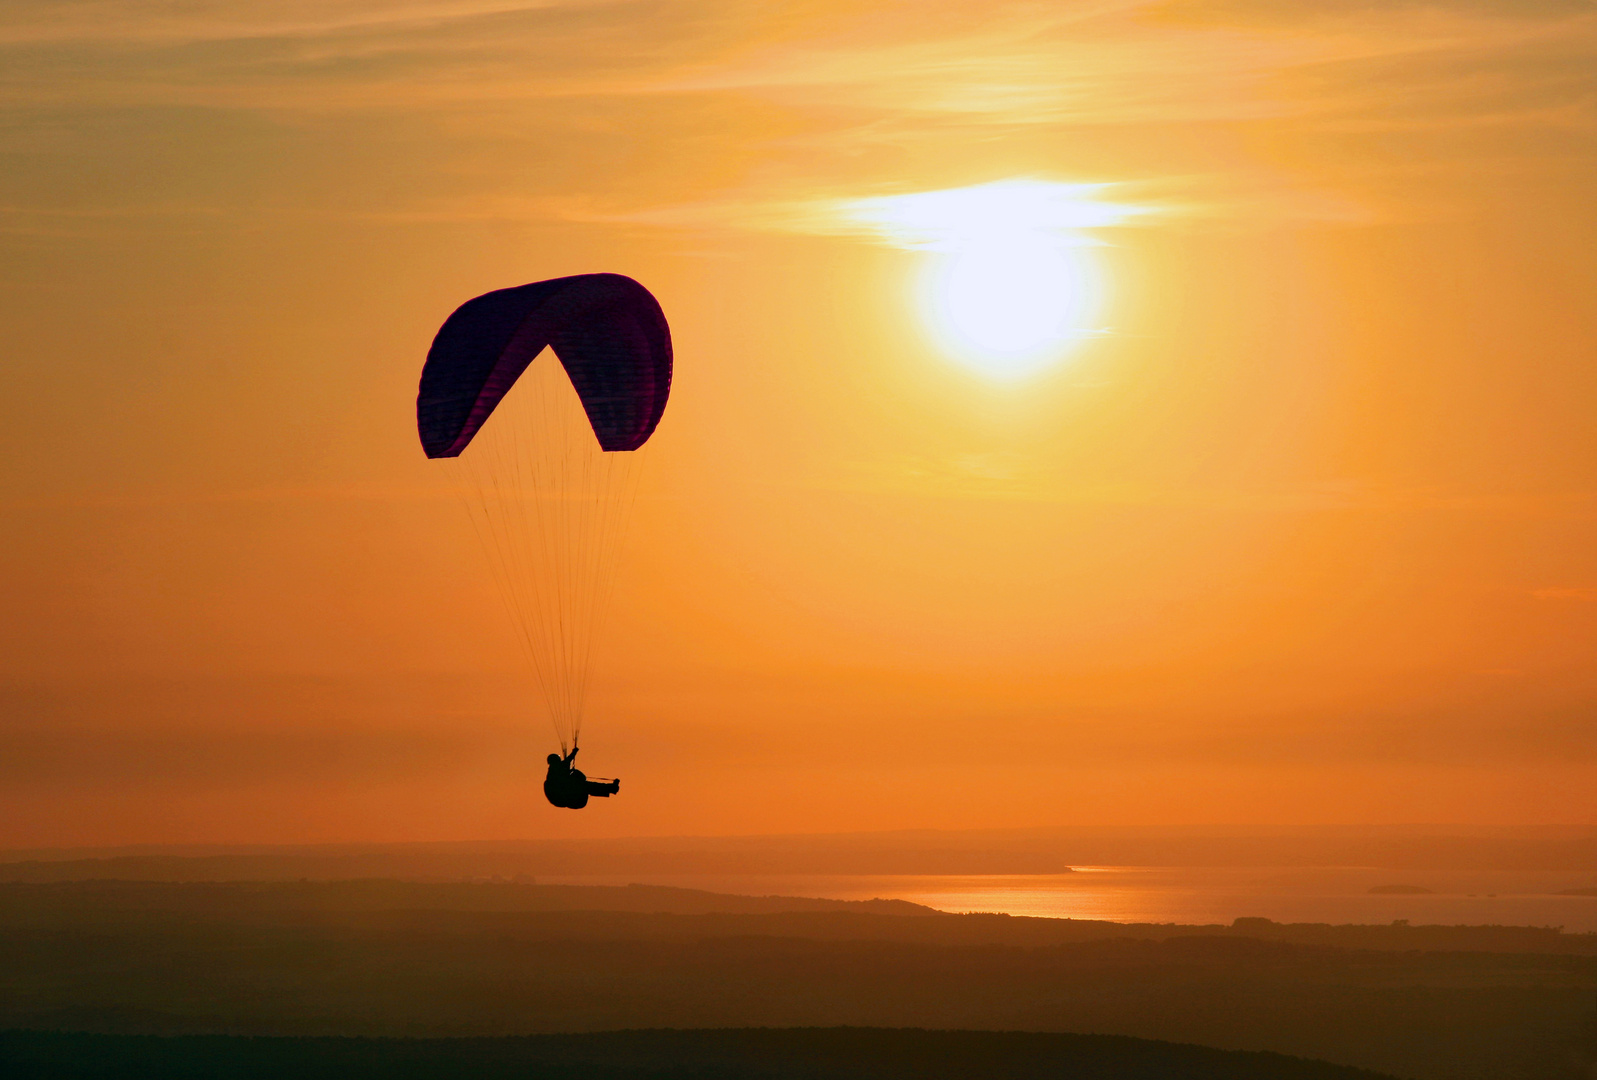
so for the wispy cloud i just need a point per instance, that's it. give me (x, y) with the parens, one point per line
(929, 220)
(1584, 595)
(797, 104)
(118, 23)
(1088, 62)
(912, 220)
(1024, 477)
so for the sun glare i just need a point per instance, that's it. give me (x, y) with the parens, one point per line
(1010, 284)
(1009, 305)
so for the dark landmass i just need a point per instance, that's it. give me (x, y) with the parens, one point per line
(1578, 892)
(386, 959)
(757, 1054)
(242, 899)
(1401, 890)
(604, 910)
(997, 851)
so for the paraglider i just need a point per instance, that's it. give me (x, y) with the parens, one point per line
(568, 786)
(607, 330)
(549, 486)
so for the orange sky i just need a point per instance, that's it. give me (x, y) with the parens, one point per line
(1302, 532)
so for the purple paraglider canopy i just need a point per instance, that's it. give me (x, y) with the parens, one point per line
(607, 330)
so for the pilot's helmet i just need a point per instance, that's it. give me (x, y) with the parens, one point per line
(555, 759)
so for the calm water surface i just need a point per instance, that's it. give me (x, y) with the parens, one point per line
(1191, 895)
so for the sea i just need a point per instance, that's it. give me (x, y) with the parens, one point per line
(1194, 895)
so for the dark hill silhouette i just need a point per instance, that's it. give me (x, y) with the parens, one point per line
(387, 959)
(607, 911)
(241, 898)
(746, 1054)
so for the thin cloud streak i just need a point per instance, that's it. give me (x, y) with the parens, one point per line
(1017, 479)
(1091, 64)
(1587, 595)
(114, 23)
(850, 83)
(854, 80)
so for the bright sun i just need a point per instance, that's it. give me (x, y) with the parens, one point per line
(1011, 304)
(1010, 284)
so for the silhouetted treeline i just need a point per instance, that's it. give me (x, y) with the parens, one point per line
(763, 1054)
(389, 959)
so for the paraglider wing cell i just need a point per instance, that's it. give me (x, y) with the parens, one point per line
(607, 330)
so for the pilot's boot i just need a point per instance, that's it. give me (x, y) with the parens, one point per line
(615, 786)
